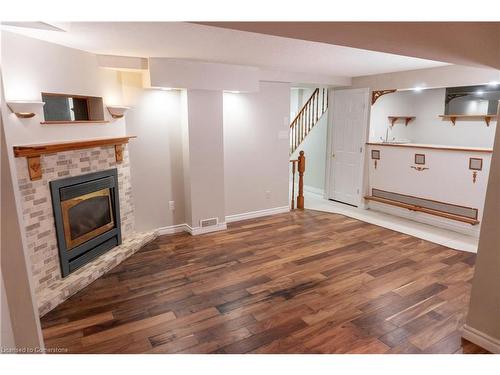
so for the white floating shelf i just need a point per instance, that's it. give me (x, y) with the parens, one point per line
(25, 108)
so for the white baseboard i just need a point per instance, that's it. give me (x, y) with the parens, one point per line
(482, 339)
(255, 214)
(199, 230)
(172, 229)
(314, 190)
(444, 223)
(221, 226)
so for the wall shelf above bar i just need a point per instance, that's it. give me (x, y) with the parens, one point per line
(453, 118)
(407, 119)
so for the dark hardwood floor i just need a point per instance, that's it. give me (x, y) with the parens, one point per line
(303, 282)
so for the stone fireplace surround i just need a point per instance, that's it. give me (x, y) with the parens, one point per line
(38, 220)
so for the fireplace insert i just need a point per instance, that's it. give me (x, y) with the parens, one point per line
(87, 217)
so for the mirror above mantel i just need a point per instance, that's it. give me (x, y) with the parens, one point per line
(68, 109)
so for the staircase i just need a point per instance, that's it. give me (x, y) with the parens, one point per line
(308, 117)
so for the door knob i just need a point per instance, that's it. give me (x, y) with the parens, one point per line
(333, 155)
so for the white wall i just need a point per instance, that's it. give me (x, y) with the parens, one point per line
(199, 75)
(448, 179)
(255, 157)
(314, 147)
(427, 127)
(156, 155)
(483, 324)
(446, 76)
(206, 155)
(6, 334)
(31, 66)
(298, 97)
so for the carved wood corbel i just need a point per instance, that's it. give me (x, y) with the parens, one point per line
(378, 93)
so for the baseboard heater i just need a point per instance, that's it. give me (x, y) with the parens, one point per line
(432, 207)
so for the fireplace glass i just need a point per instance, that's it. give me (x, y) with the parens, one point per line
(86, 216)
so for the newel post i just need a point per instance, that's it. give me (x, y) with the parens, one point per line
(301, 169)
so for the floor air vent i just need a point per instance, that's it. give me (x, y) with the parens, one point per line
(209, 222)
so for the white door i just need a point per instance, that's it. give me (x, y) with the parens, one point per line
(348, 136)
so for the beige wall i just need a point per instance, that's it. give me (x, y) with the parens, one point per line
(31, 66)
(206, 155)
(484, 311)
(6, 334)
(156, 154)
(15, 266)
(314, 147)
(255, 156)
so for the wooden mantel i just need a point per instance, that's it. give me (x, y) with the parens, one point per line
(33, 151)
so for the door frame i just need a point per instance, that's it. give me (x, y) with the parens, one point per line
(363, 170)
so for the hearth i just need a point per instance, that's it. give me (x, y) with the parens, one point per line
(87, 217)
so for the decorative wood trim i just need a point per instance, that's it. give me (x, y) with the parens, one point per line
(119, 153)
(422, 209)
(407, 119)
(51, 148)
(378, 93)
(33, 152)
(419, 169)
(444, 148)
(453, 118)
(34, 167)
(474, 177)
(74, 122)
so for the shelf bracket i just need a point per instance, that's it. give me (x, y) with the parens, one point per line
(34, 167)
(119, 153)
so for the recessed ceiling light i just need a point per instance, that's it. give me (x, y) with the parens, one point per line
(479, 92)
(417, 89)
(493, 83)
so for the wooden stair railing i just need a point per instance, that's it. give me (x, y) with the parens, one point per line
(300, 163)
(307, 117)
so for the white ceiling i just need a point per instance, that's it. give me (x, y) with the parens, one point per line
(208, 43)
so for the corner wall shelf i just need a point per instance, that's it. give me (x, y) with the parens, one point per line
(407, 119)
(453, 118)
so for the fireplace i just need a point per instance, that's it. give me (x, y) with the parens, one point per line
(87, 217)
